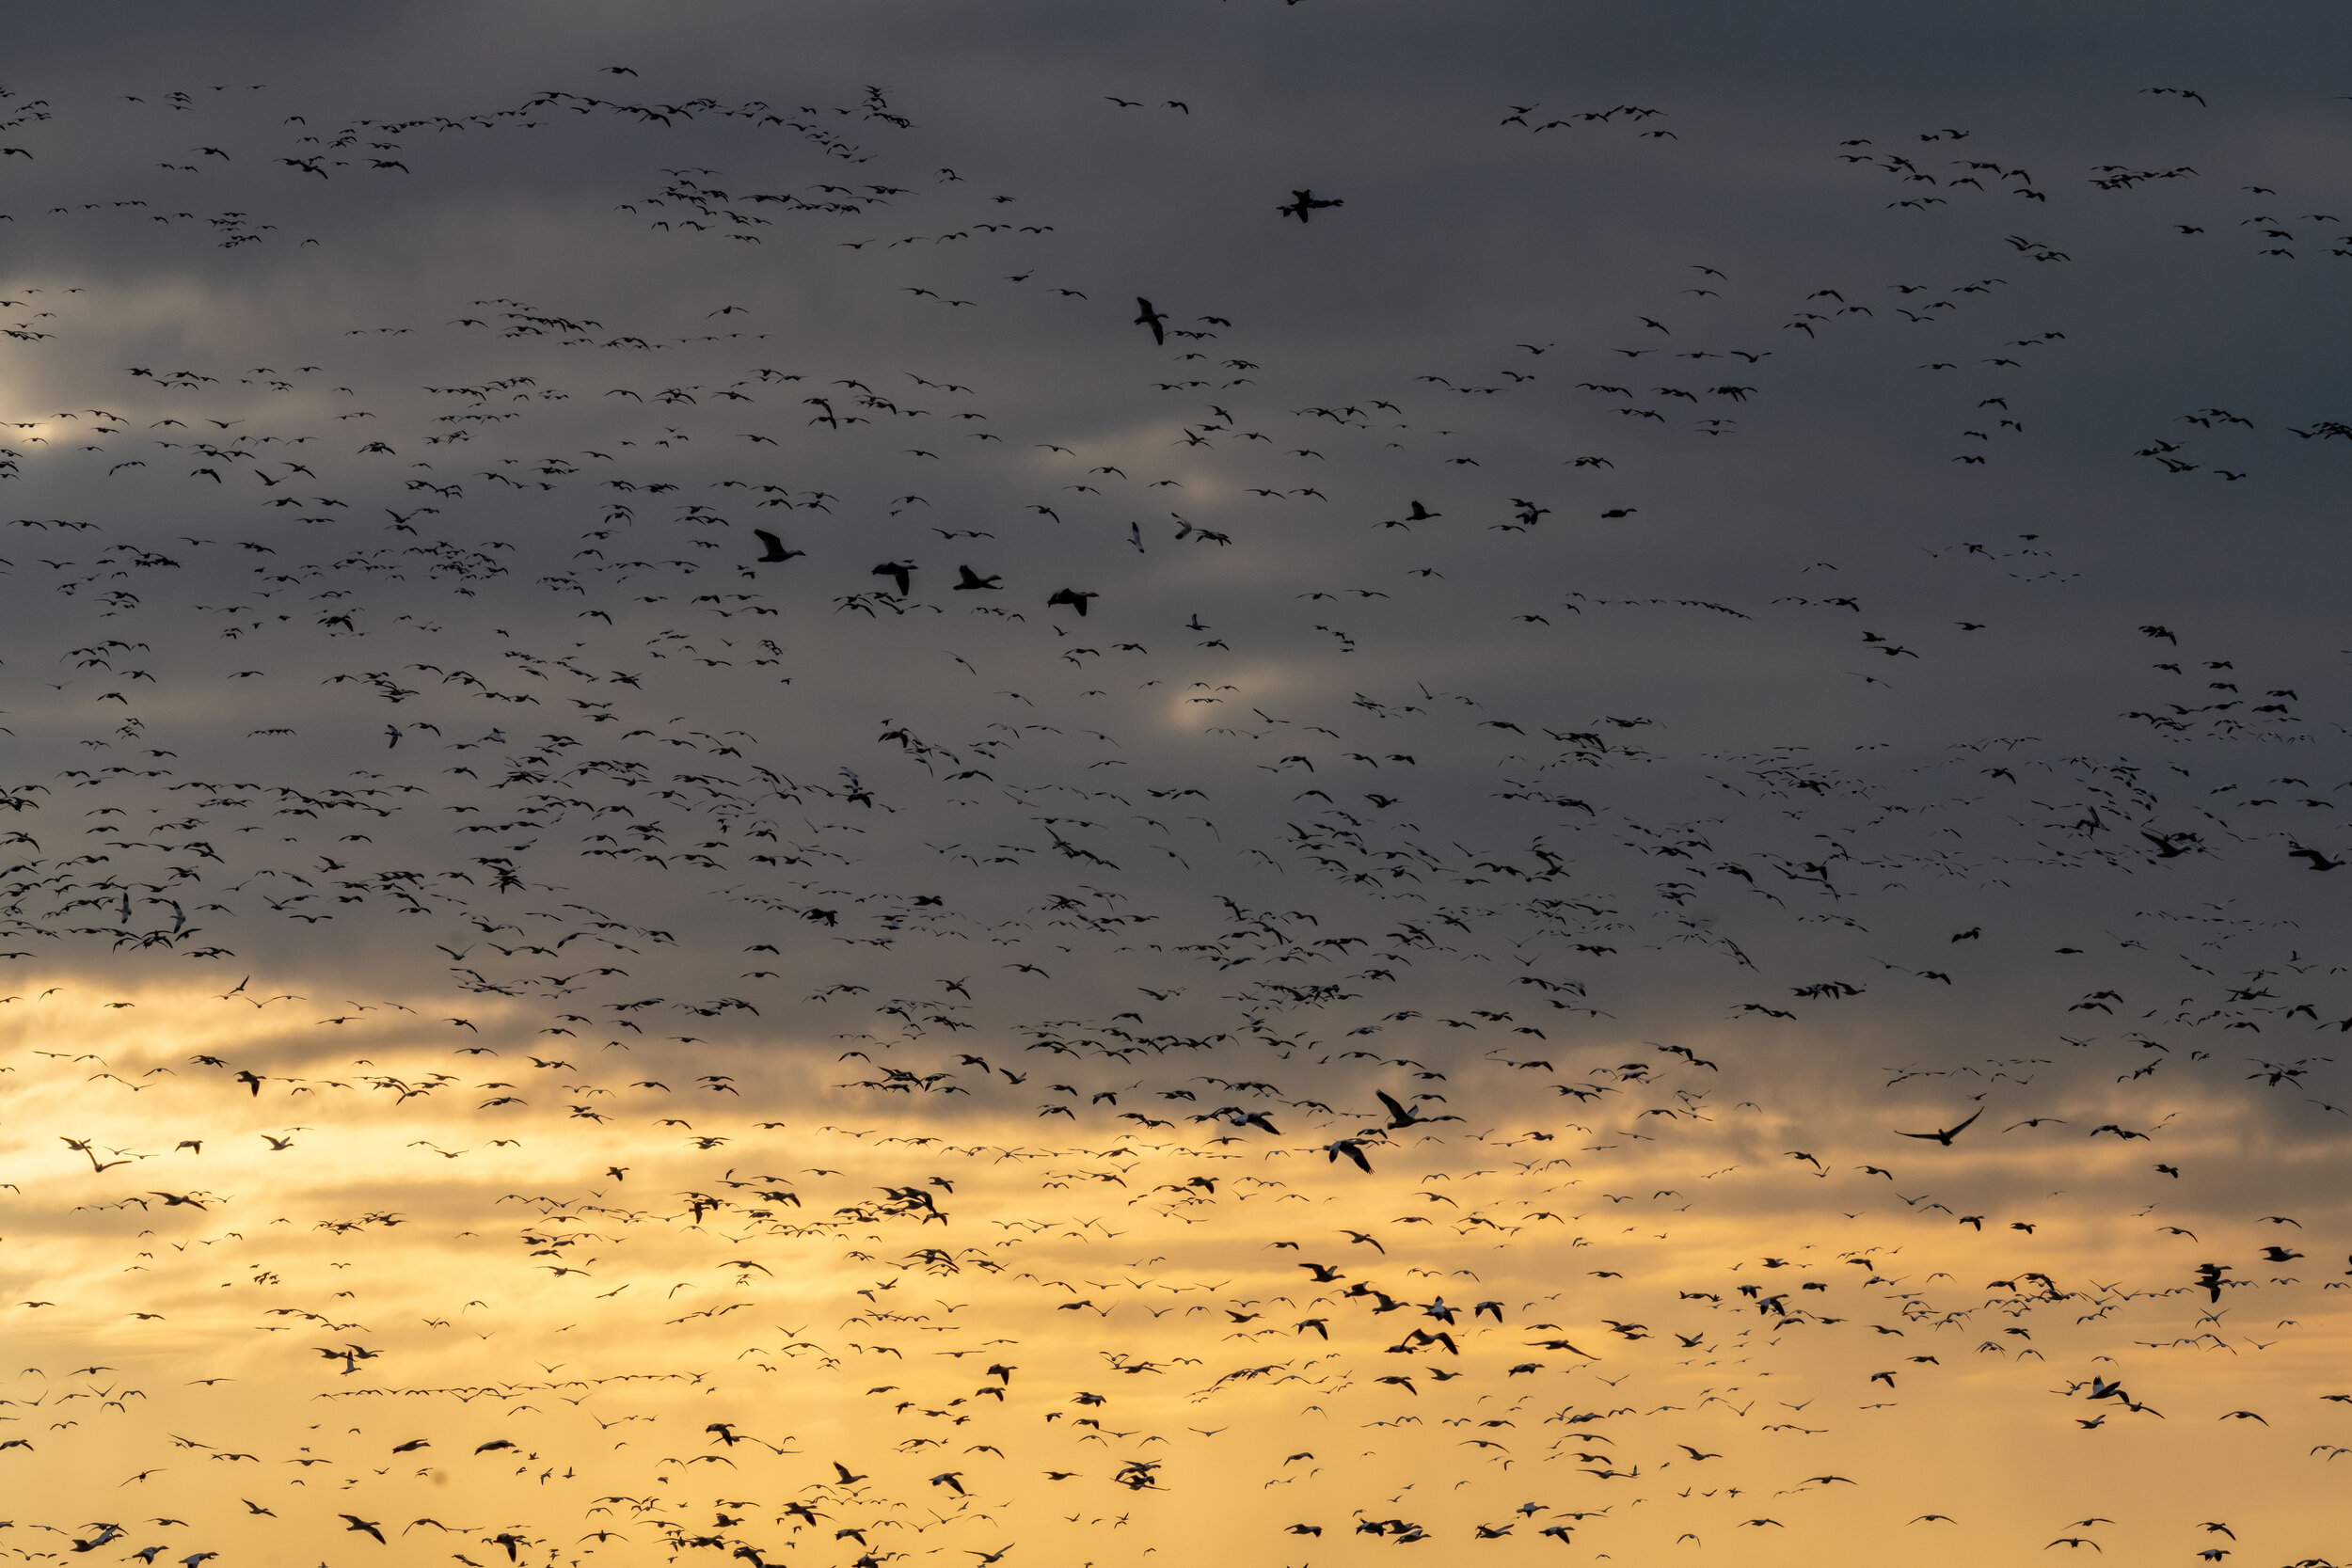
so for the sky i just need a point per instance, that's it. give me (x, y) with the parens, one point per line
(1043, 782)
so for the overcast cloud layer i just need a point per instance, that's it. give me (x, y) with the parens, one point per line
(913, 780)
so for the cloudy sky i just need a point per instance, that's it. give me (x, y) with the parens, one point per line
(751, 738)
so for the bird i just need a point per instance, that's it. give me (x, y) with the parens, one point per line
(1303, 205)
(1945, 1137)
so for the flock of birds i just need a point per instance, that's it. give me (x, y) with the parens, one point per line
(1818, 1125)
